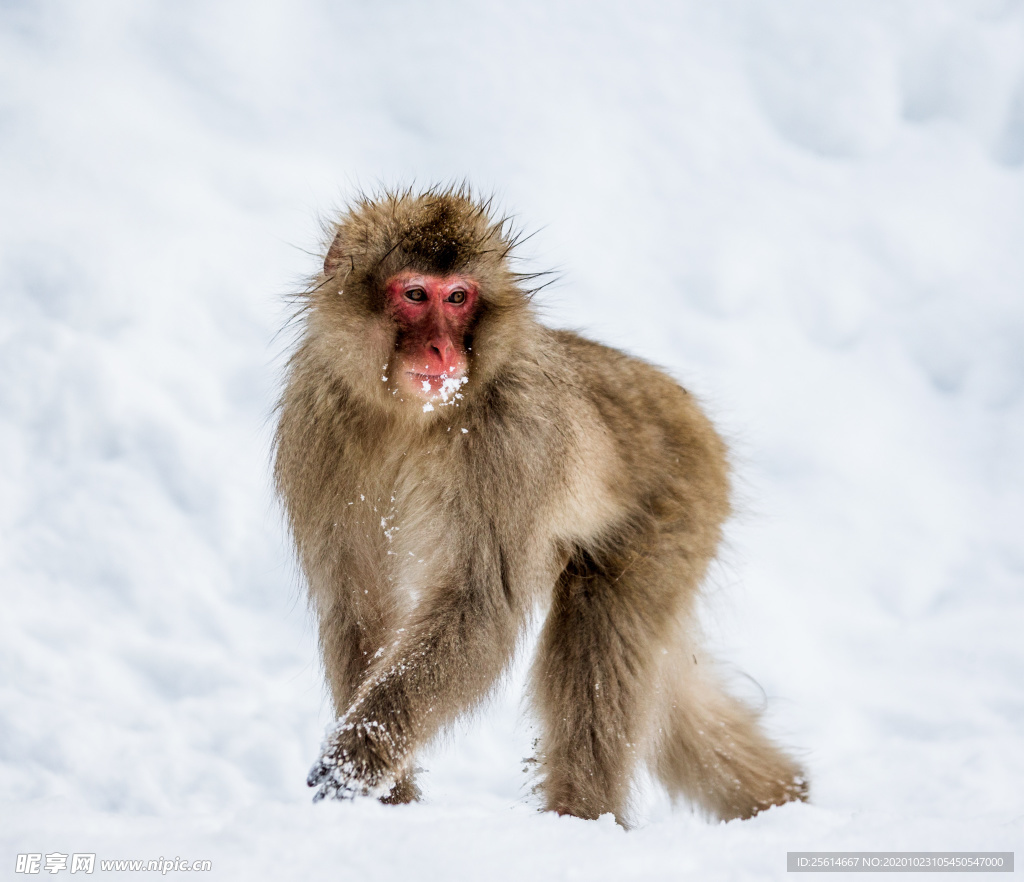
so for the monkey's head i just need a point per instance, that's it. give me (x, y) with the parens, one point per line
(417, 306)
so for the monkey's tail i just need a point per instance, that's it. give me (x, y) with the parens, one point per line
(709, 748)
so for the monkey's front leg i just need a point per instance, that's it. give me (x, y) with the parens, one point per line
(367, 750)
(442, 663)
(355, 761)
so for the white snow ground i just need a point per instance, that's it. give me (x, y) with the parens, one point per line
(811, 212)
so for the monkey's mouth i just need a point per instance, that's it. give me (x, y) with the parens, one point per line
(444, 386)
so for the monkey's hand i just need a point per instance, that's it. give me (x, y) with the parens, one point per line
(355, 760)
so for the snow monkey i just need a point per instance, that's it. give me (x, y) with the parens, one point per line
(448, 466)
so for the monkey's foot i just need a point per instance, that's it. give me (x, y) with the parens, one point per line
(405, 791)
(351, 766)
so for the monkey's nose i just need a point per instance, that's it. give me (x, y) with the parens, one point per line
(445, 351)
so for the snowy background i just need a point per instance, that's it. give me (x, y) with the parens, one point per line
(811, 212)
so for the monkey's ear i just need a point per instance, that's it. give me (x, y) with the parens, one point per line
(335, 256)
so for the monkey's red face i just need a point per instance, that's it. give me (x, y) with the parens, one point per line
(434, 315)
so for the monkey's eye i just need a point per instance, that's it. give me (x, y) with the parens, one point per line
(416, 295)
(457, 297)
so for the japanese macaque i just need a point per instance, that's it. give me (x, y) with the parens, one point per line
(448, 466)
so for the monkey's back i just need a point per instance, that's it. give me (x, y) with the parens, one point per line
(660, 473)
(662, 437)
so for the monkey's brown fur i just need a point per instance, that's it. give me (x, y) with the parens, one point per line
(569, 475)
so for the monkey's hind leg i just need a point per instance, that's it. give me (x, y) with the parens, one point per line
(593, 685)
(712, 750)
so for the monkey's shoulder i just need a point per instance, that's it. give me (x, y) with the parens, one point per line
(653, 419)
(597, 362)
(617, 380)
